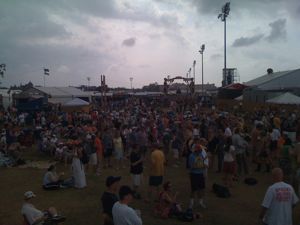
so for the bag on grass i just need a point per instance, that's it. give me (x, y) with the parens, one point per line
(187, 216)
(250, 181)
(221, 191)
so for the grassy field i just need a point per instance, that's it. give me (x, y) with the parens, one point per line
(83, 206)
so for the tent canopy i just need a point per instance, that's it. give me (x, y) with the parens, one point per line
(76, 102)
(286, 98)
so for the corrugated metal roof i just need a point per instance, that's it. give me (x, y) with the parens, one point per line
(62, 91)
(286, 98)
(267, 77)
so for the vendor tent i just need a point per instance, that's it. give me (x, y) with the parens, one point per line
(76, 102)
(286, 98)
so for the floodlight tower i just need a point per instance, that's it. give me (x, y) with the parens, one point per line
(223, 15)
(131, 79)
(88, 80)
(194, 65)
(201, 51)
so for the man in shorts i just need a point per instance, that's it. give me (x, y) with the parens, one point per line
(198, 164)
(157, 170)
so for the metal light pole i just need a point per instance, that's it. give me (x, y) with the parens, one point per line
(88, 79)
(201, 52)
(131, 79)
(194, 64)
(222, 16)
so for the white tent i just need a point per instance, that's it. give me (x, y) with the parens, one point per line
(286, 98)
(76, 102)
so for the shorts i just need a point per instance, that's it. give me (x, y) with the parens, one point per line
(197, 182)
(136, 179)
(155, 181)
(93, 159)
(119, 154)
(108, 153)
(229, 167)
(175, 153)
(273, 146)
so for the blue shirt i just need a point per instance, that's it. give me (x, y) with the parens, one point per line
(192, 159)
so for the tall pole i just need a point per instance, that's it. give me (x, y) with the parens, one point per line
(202, 52)
(131, 79)
(44, 80)
(224, 13)
(225, 66)
(194, 65)
(202, 86)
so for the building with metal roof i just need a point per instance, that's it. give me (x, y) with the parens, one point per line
(272, 85)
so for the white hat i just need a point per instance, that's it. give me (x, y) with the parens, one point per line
(29, 194)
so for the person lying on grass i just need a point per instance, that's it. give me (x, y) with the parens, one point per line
(33, 216)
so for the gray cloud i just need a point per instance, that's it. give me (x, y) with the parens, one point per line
(129, 42)
(278, 30)
(247, 41)
(216, 56)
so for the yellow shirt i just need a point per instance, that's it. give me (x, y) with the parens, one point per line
(157, 163)
(277, 122)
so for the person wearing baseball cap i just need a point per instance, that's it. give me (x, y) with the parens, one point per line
(109, 198)
(34, 216)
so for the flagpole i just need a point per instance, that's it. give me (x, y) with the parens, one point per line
(44, 80)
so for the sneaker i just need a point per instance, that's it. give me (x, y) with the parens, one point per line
(58, 219)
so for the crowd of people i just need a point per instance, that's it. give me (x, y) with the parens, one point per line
(136, 132)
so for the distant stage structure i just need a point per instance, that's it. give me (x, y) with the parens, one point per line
(188, 80)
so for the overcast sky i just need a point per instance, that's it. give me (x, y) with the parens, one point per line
(144, 39)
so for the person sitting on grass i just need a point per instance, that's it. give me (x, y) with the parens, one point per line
(33, 216)
(52, 180)
(122, 213)
(168, 205)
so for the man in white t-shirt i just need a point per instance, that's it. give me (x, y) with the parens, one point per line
(122, 213)
(34, 216)
(278, 202)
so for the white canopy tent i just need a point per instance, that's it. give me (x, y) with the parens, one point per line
(76, 102)
(286, 98)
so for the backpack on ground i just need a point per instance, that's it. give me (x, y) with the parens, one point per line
(221, 191)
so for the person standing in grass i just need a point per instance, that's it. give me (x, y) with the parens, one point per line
(119, 150)
(157, 171)
(229, 162)
(136, 169)
(198, 164)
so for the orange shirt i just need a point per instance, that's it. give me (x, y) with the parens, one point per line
(98, 145)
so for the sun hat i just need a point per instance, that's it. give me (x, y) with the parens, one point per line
(29, 194)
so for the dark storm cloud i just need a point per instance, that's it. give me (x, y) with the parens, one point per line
(247, 41)
(129, 42)
(278, 30)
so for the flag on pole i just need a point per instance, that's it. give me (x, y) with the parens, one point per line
(46, 72)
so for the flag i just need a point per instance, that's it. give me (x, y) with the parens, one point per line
(46, 72)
